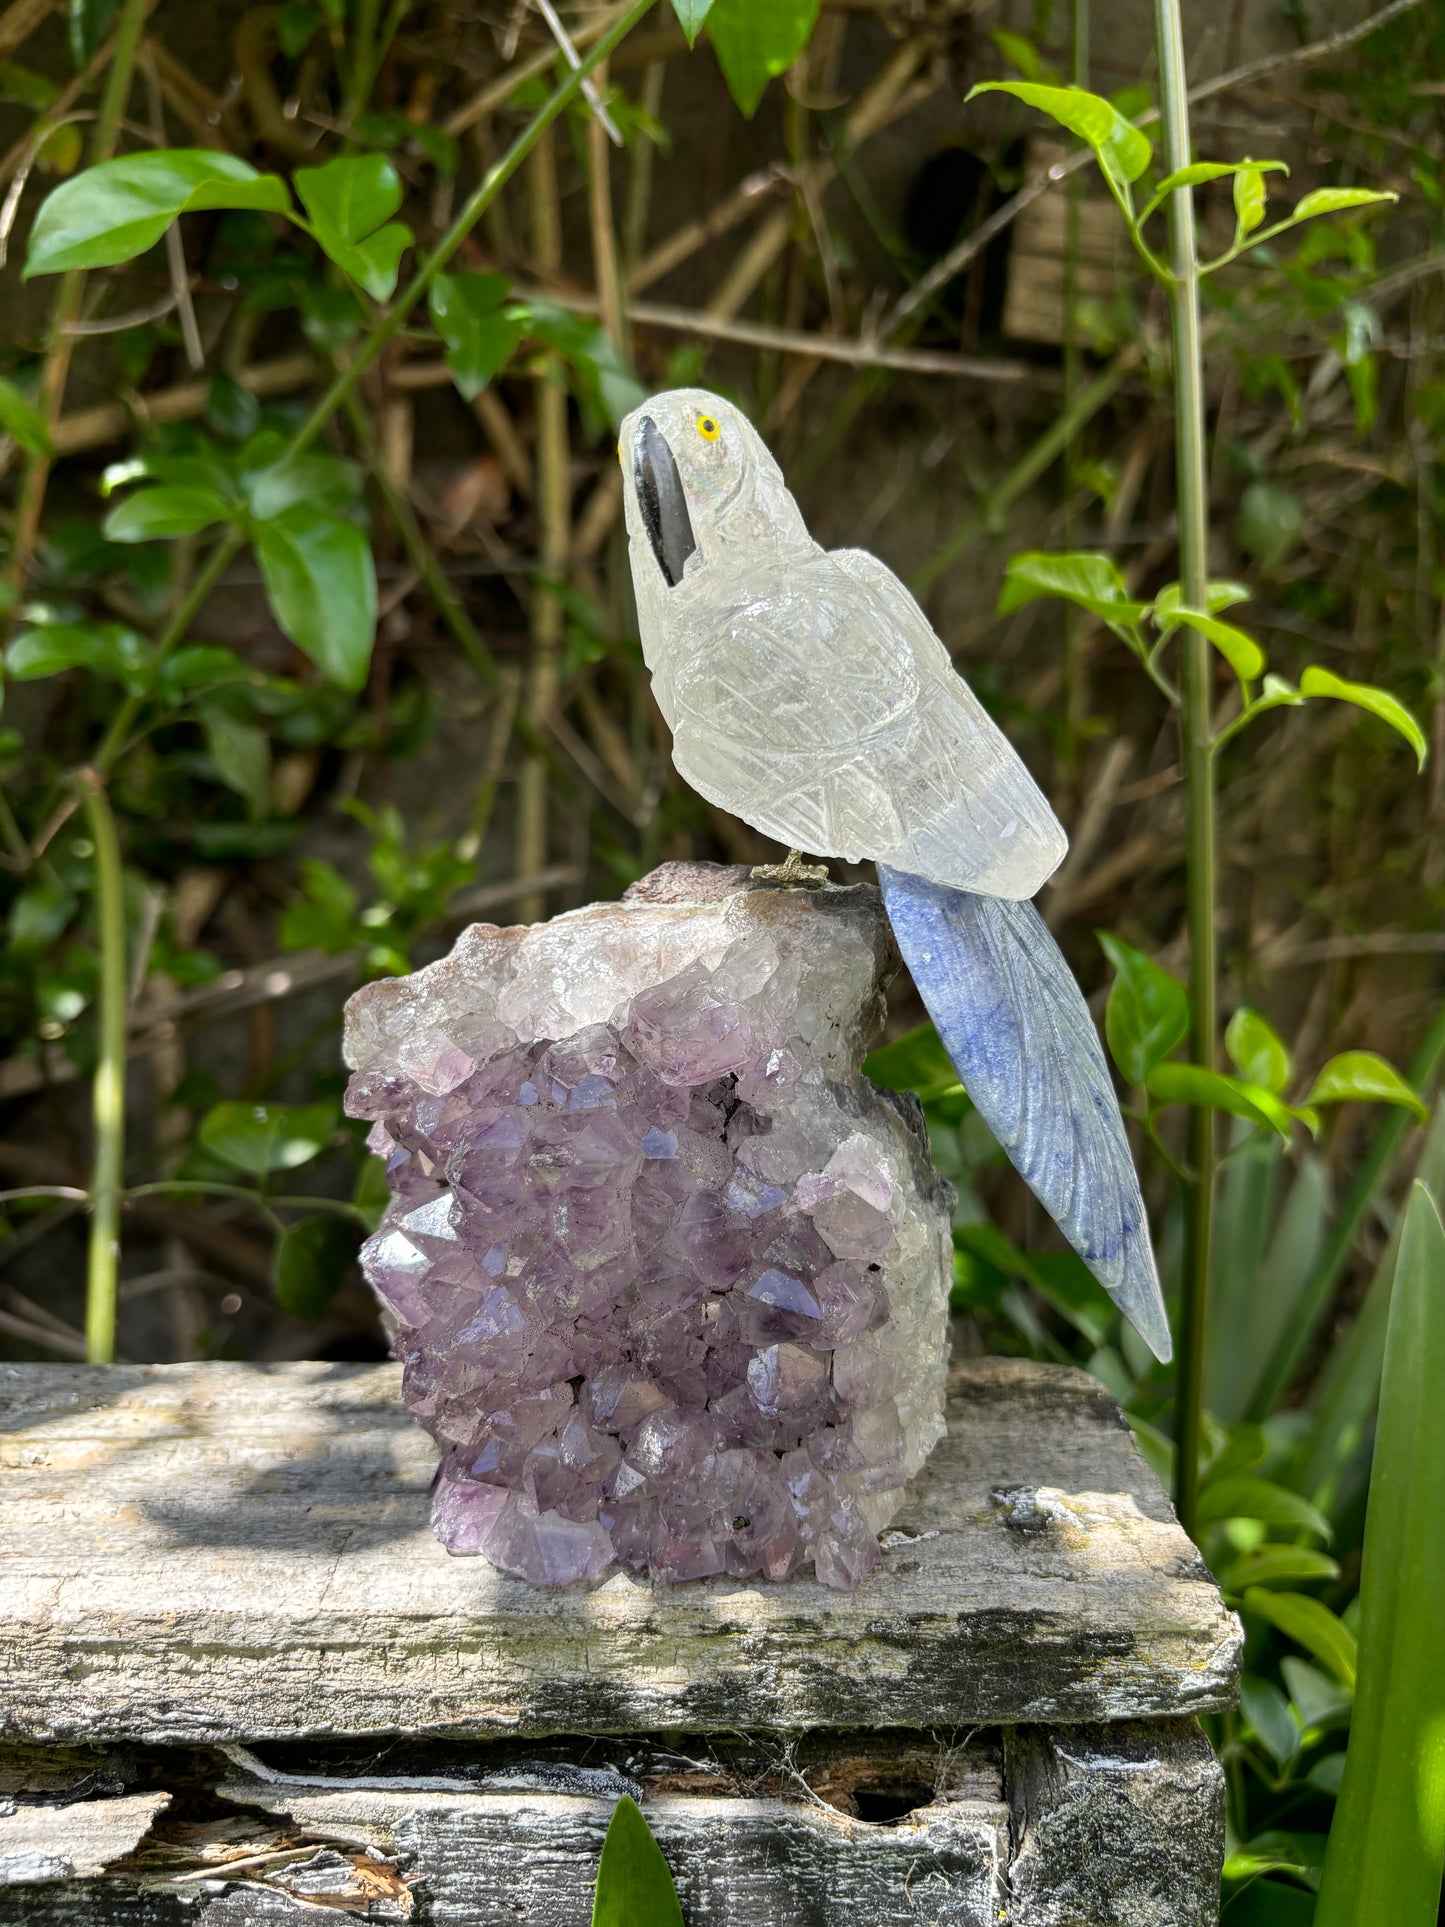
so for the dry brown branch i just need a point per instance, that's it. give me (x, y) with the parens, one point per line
(19, 21)
(851, 352)
(111, 421)
(38, 1335)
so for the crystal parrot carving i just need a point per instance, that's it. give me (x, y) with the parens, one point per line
(807, 694)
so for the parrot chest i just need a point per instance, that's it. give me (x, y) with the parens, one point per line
(797, 664)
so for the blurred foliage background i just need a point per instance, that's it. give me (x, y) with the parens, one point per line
(955, 358)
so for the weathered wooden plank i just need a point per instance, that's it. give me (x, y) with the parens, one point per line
(227, 1551)
(44, 1842)
(1109, 1825)
(1101, 1813)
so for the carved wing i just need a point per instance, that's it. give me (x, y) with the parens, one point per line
(1015, 1024)
(820, 707)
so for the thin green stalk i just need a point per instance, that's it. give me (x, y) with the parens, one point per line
(1197, 727)
(1288, 1354)
(1073, 370)
(364, 43)
(385, 331)
(108, 1088)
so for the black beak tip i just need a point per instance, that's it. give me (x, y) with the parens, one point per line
(662, 500)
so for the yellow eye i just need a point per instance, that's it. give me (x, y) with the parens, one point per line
(708, 428)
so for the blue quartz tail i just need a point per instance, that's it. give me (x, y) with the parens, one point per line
(1015, 1024)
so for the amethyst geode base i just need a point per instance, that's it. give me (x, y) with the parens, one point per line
(669, 1278)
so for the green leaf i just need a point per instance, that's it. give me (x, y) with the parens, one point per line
(1242, 1496)
(606, 386)
(26, 87)
(1277, 1850)
(22, 420)
(690, 17)
(1310, 1625)
(312, 1261)
(1120, 149)
(1249, 197)
(267, 1137)
(756, 40)
(372, 1192)
(241, 754)
(1388, 1840)
(1278, 1566)
(201, 666)
(1364, 695)
(1240, 651)
(105, 648)
(1327, 1773)
(1359, 1076)
(1318, 1700)
(1336, 200)
(1256, 1050)
(1192, 1084)
(478, 333)
(321, 481)
(88, 22)
(1275, 693)
(1091, 581)
(296, 26)
(321, 585)
(634, 1887)
(325, 918)
(1019, 52)
(1199, 172)
(1267, 1710)
(159, 514)
(40, 913)
(1270, 523)
(1147, 1013)
(348, 200)
(915, 1062)
(1218, 595)
(1270, 1903)
(113, 212)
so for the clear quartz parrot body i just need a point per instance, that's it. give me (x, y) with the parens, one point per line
(808, 694)
(806, 691)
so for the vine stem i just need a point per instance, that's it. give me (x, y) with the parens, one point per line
(108, 1087)
(1197, 727)
(385, 331)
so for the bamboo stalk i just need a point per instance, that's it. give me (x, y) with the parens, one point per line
(554, 540)
(108, 1085)
(1196, 722)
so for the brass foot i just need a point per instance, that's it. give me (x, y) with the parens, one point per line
(793, 872)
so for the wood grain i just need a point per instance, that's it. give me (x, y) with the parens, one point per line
(195, 1553)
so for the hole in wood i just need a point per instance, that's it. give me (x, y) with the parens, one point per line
(884, 1806)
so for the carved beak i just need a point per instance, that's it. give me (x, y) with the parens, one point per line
(661, 499)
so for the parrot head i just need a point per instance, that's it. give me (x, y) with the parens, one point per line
(700, 486)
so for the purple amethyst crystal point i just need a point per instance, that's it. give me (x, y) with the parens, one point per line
(668, 1278)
